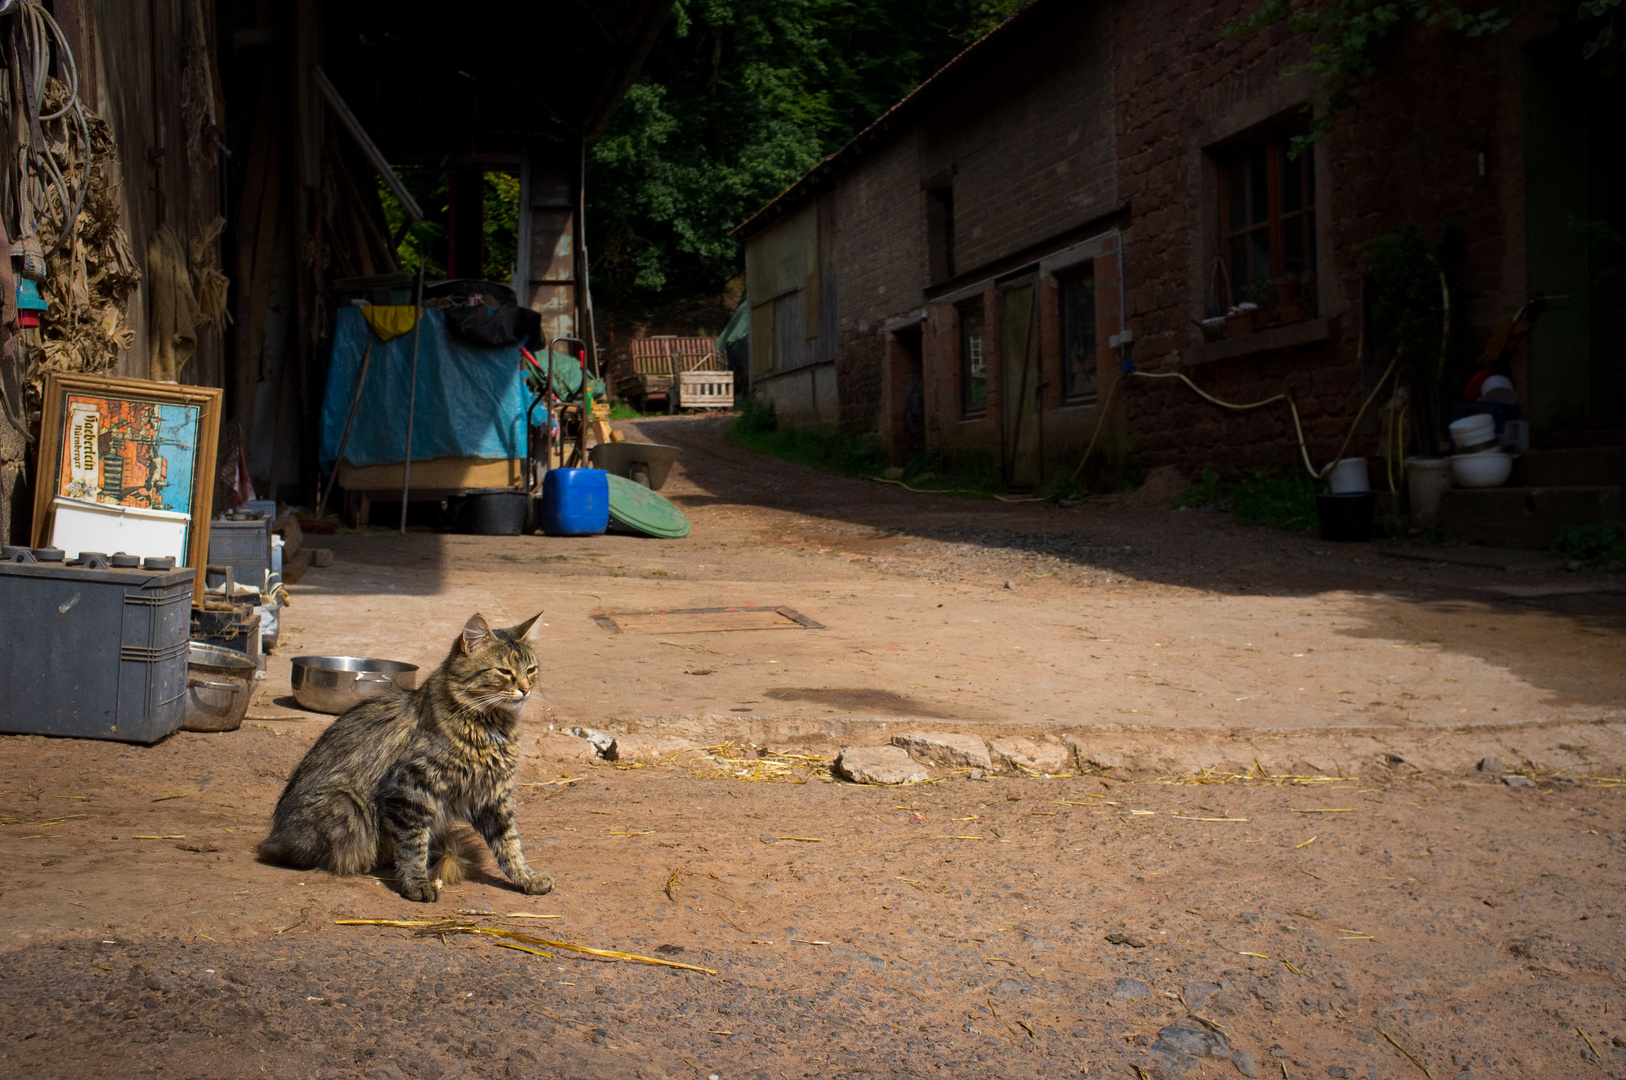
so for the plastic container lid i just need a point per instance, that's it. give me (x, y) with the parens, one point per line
(640, 509)
(1474, 428)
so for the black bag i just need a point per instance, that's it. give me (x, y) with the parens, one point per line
(497, 325)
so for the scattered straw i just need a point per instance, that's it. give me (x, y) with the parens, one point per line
(303, 916)
(1589, 1045)
(1260, 955)
(1260, 775)
(442, 927)
(677, 876)
(954, 837)
(1187, 817)
(1332, 810)
(1409, 1055)
(1001, 1019)
(757, 764)
(1288, 964)
(1302, 870)
(1306, 844)
(1605, 781)
(802, 839)
(523, 948)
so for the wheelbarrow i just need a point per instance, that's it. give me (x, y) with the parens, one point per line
(642, 463)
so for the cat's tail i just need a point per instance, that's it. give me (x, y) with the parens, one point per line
(276, 851)
(453, 855)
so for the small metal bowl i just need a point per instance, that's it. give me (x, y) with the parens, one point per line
(336, 684)
(219, 683)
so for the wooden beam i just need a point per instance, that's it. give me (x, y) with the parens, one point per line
(359, 133)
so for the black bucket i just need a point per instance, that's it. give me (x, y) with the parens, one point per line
(1346, 515)
(496, 511)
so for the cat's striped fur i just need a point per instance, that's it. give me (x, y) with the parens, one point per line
(386, 782)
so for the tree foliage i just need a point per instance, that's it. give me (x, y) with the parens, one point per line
(737, 100)
(1346, 35)
(426, 240)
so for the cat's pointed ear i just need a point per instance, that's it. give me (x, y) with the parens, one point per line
(476, 632)
(529, 631)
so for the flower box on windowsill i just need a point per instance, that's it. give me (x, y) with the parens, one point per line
(1283, 336)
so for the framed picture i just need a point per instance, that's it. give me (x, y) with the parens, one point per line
(127, 465)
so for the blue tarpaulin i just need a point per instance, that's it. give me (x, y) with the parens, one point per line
(471, 398)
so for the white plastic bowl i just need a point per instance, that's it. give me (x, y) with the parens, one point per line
(1349, 475)
(1486, 469)
(1473, 430)
(1498, 388)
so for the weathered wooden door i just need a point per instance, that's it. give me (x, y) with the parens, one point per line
(1023, 437)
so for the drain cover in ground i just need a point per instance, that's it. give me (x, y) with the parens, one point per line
(640, 509)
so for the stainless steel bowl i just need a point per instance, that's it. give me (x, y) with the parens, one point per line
(219, 682)
(336, 684)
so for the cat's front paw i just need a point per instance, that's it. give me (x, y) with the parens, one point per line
(425, 892)
(535, 884)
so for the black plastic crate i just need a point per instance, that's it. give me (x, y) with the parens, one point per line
(245, 546)
(98, 654)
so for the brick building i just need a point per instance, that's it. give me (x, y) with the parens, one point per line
(1089, 182)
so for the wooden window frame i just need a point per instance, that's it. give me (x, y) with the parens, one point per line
(1088, 393)
(968, 411)
(1276, 149)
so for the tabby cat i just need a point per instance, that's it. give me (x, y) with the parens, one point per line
(387, 780)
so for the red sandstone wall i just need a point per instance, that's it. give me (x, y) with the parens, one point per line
(1407, 150)
(1027, 169)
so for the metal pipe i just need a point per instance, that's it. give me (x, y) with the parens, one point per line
(412, 401)
(349, 422)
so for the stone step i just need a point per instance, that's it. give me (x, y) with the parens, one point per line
(1594, 466)
(1526, 517)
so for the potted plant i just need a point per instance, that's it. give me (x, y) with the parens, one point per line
(1289, 307)
(1261, 293)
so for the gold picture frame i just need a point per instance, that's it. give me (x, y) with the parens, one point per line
(164, 438)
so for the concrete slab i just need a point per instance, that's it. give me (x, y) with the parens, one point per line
(1513, 560)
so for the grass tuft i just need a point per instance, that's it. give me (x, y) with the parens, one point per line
(1592, 543)
(1278, 502)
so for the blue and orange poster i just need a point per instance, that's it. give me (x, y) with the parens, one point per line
(121, 451)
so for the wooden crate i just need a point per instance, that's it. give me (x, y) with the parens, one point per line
(706, 390)
(664, 355)
(655, 360)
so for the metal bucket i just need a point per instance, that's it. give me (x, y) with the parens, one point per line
(336, 684)
(219, 682)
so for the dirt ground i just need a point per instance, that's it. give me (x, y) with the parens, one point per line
(1392, 912)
